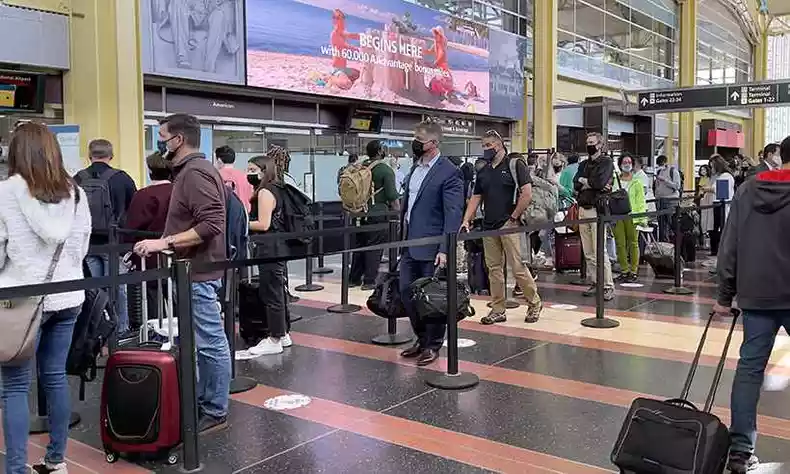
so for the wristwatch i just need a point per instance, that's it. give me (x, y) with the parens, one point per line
(171, 242)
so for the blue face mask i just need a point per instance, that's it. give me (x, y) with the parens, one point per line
(489, 154)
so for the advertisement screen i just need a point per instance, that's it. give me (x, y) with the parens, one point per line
(21, 92)
(385, 51)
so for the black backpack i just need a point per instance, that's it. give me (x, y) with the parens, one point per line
(236, 226)
(97, 188)
(385, 301)
(94, 326)
(296, 214)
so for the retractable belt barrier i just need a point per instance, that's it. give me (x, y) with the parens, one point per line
(183, 270)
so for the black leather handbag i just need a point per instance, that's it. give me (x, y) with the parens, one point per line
(429, 295)
(617, 203)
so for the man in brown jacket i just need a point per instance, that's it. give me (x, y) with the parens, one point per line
(195, 229)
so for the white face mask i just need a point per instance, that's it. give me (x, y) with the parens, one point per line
(627, 168)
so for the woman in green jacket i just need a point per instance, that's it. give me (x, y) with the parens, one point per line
(625, 234)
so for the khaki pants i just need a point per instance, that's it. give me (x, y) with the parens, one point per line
(589, 236)
(496, 250)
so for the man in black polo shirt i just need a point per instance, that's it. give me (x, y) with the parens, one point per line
(495, 188)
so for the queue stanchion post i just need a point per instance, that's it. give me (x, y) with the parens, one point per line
(600, 321)
(344, 306)
(308, 285)
(452, 379)
(321, 269)
(678, 288)
(392, 338)
(187, 364)
(238, 384)
(39, 422)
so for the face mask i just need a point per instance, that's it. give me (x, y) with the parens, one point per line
(592, 150)
(166, 153)
(489, 154)
(253, 179)
(418, 148)
(627, 168)
(557, 168)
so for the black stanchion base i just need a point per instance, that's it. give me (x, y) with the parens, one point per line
(509, 304)
(678, 290)
(188, 471)
(581, 282)
(600, 323)
(242, 384)
(295, 317)
(391, 339)
(40, 424)
(458, 381)
(310, 287)
(322, 271)
(344, 308)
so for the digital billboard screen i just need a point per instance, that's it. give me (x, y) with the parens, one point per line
(385, 51)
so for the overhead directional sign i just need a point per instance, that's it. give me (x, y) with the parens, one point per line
(762, 94)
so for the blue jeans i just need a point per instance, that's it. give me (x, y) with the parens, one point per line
(759, 332)
(429, 335)
(99, 266)
(54, 339)
(213, 352)
(665, 221)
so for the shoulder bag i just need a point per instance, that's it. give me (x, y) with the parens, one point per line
(617, 203)
(20, 318)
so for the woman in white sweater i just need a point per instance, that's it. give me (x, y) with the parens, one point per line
(38, 213)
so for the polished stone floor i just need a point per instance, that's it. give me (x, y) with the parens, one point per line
(551, 398)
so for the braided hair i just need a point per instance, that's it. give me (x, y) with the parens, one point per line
(282, 160)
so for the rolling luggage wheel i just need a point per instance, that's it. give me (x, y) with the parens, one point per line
(172, 459)
(110, 457)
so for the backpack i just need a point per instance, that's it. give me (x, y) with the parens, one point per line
(672, 171)
(97, 188)
(236, 226)
(94, 326)
(356, 188)
(545, 198)
(295, 214)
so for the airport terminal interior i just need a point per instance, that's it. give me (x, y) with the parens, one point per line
(681, 79)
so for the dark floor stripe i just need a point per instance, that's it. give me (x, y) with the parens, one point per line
(463, 448)
(771, 426)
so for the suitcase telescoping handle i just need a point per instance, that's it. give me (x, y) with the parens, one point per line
(169, 310)
(719, 368)
(144, 298)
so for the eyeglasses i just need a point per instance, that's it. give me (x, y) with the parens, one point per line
(493, 133)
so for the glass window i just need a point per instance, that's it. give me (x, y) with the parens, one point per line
(510, 23)
(566, 11)
(617, 32)
(245, 141)
(589, 21)
(510, 5)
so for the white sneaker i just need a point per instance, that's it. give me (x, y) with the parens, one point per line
(286, 341)
(49, 468)
(268, 346)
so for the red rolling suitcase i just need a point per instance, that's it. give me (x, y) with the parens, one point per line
(140, 399)
(567, 252)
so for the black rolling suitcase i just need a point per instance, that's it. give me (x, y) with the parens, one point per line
(674, 436)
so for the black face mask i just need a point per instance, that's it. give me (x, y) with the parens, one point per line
(253, 179)
(418, 148)
(592, 150)
(558, 168)
(489, 154)
(161, 146)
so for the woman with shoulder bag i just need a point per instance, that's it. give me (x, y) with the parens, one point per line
(45, 226)
(625, 234)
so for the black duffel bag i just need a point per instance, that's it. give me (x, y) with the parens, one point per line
(385, 301)
(429, 295)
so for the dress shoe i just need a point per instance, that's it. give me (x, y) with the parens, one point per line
(412, 352)
(427, 357)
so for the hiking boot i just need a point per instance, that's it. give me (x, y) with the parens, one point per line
(493, 317)
(533, 312)
(517, 292)
(608, 293)
(741, 463)
(590, 291)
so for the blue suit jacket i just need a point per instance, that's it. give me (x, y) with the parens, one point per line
(438, 209)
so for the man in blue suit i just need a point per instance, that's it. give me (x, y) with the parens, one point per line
(434, 201)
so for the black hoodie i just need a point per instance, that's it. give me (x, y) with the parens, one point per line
(754, 254)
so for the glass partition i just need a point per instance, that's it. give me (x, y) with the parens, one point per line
(299, 143)
(246, 142)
